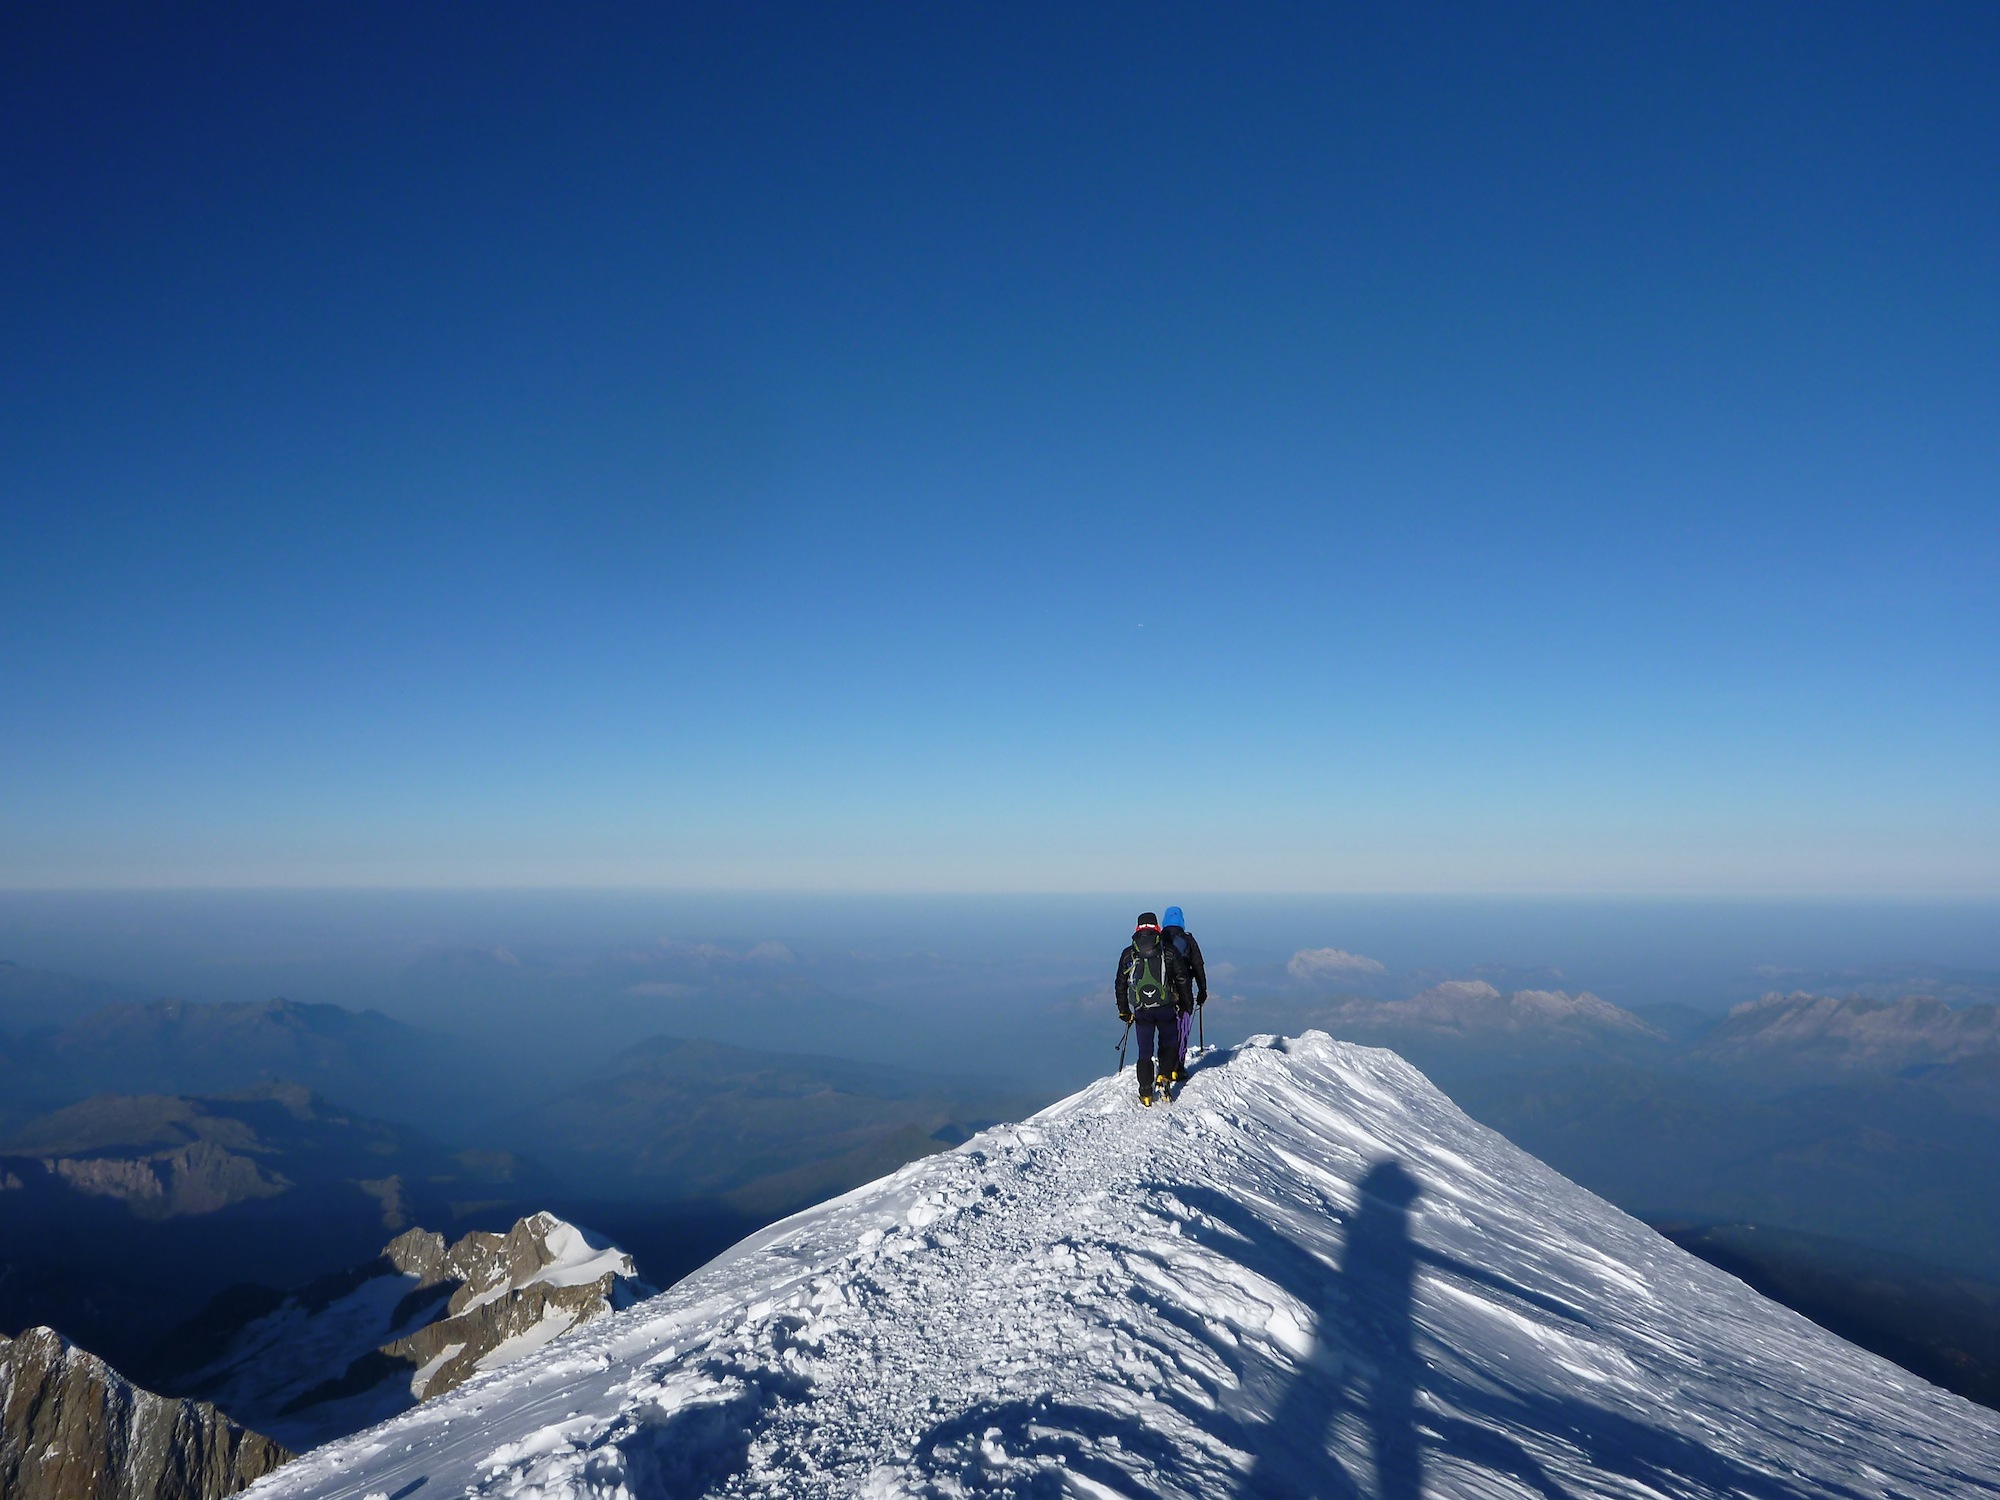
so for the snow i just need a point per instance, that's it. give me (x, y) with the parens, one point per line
(276, 1359)
(422, 1379)
(553, 1324)
(1311, 1276)
(579, 1259)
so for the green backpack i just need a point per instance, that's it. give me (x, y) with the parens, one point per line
(1146, 980)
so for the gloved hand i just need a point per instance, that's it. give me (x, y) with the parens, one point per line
(1201, 1002)
(1125, 1014)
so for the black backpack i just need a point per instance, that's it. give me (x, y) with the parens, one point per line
(1148, 984)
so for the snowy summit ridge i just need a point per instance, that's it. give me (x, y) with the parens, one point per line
(1312, 1276)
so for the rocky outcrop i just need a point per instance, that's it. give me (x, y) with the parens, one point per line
(424, 1318)
(73, 1428)
(534, 1283)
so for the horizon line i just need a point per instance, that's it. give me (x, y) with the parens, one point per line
(1609, 893)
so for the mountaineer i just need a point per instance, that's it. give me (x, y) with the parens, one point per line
(1150, 983)
(1194, 993)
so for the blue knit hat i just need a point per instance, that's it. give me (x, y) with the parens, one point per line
(1172, 918)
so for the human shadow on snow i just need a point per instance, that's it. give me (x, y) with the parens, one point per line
(1365, 1370)
(1362, 1382)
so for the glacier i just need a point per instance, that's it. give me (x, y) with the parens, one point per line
(1313, 1276)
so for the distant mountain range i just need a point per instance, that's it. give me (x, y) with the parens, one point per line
(1780, 1040)
(163, 1156)
(120, 1214)
(667, 1118)
(39, 998)
(1813, 1037)
(764, 1132)
(1472, 1017)
(152, 1154)
(363, 1059)
(1865, 1121)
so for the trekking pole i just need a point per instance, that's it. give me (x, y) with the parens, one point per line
(1121, 1045)
(1201, 1027)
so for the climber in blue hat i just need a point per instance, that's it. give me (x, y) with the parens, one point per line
(1194, 989)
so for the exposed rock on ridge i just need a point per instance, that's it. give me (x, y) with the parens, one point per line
(534, 1283)
(425, 1317)
(73, 1428)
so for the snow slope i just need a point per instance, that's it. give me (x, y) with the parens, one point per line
(1312, 1276)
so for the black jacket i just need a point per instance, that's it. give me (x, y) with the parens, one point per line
(1190, 957)
(1172, 970)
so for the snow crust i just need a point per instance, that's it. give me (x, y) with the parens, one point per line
(550, 1326)
(1313, 1276)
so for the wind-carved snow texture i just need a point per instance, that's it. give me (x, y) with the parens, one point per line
(1313, 1276)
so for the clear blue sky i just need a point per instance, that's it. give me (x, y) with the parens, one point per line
(1002, 447)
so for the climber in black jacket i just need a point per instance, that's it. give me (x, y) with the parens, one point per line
(1150, 982)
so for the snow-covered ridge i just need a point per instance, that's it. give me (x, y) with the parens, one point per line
(1314, 1276)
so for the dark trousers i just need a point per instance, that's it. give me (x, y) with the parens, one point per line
(1159, 1029)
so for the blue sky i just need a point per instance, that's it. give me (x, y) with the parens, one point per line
(1025, 448)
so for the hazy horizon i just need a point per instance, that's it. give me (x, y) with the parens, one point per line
(453, 958)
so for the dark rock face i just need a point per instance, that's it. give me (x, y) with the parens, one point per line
(72, 1428)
